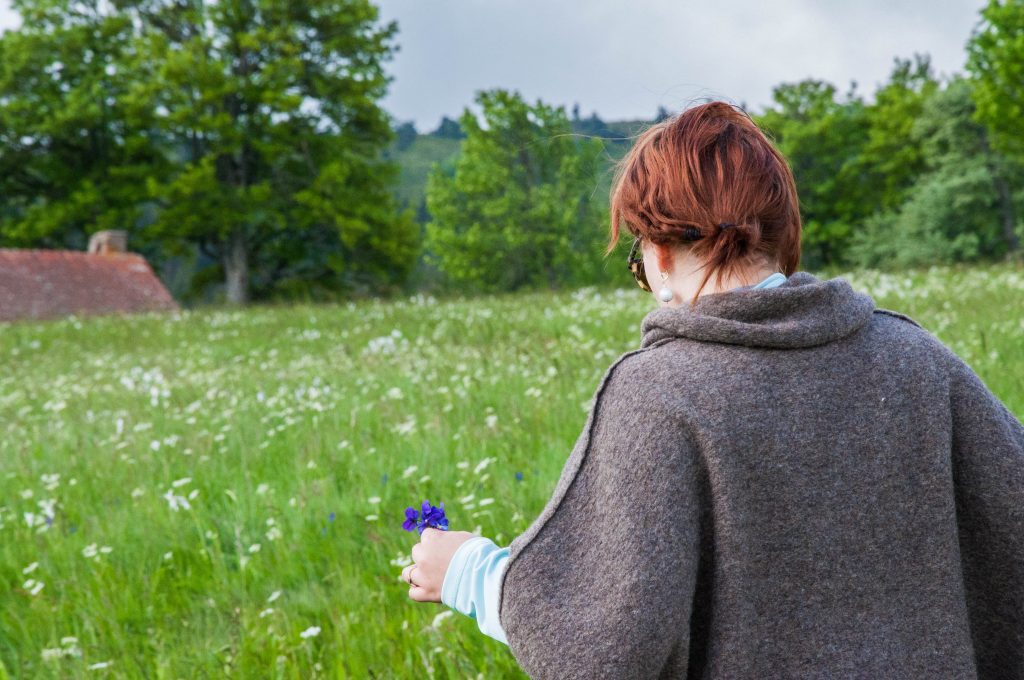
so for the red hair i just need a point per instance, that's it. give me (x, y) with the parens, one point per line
(709, 165)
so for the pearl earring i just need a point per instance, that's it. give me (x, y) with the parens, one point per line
(665, 294)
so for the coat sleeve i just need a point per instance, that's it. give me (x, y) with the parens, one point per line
(988, 472)
(601, 584)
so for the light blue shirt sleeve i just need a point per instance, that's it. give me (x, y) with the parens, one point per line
(472, 584)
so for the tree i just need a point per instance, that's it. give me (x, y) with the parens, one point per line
(448, 129)
(270, 111)
(72, 155)
(248, 129)
(592, 126)
(822, 136)
(405, 135)
(851, 160)
(516, 210)
(995, 59)
(888, 165)
(959, 207)
(957, 147)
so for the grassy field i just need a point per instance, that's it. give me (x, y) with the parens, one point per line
(220, 493)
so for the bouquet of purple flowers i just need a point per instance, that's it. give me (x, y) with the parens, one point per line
(432, 517)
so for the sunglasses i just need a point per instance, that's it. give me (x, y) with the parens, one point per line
(636, 265)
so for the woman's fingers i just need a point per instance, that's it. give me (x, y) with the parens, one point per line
(417, 592)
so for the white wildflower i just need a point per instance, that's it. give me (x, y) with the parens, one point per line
(484, 463)
(401, 560)
(407, 426)
(175, 501)
(441, 617)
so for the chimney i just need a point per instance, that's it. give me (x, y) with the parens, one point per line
(108, 242)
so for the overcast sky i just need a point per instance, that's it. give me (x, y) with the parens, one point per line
(624, 59)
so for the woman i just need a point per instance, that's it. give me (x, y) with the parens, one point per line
(783, 481)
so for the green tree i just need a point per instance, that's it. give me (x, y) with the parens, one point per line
(448, 129)
(405, 135)
(892, 157)
(851, 160)
(270, 111)
(960, 208)
(822, 136)
(517, 209)
(247, 129)
(72, 155)
(995, 59)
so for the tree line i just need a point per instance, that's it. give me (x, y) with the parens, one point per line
(242, 145)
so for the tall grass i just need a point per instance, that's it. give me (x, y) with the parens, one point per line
(220, 493)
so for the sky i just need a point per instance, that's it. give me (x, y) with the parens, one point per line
(625, 59)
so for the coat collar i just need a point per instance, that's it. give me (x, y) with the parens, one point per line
(802, 312)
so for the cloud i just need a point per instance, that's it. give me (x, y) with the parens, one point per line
(623, 60)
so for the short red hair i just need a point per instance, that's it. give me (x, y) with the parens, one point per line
(709, 165)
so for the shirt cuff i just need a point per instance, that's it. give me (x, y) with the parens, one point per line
(472, 584)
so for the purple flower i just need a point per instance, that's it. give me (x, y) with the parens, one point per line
(432, 517)
(519, 476)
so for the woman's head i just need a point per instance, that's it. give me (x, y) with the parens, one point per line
(710, 182)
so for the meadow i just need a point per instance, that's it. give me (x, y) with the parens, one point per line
(219, 493)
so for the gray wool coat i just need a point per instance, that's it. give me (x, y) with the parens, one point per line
(779, 483)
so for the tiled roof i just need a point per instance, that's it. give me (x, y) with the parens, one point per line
(43, 284)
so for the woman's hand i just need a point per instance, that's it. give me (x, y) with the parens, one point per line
(431, 557)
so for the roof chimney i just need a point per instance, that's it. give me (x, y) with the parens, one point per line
(108, 241)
